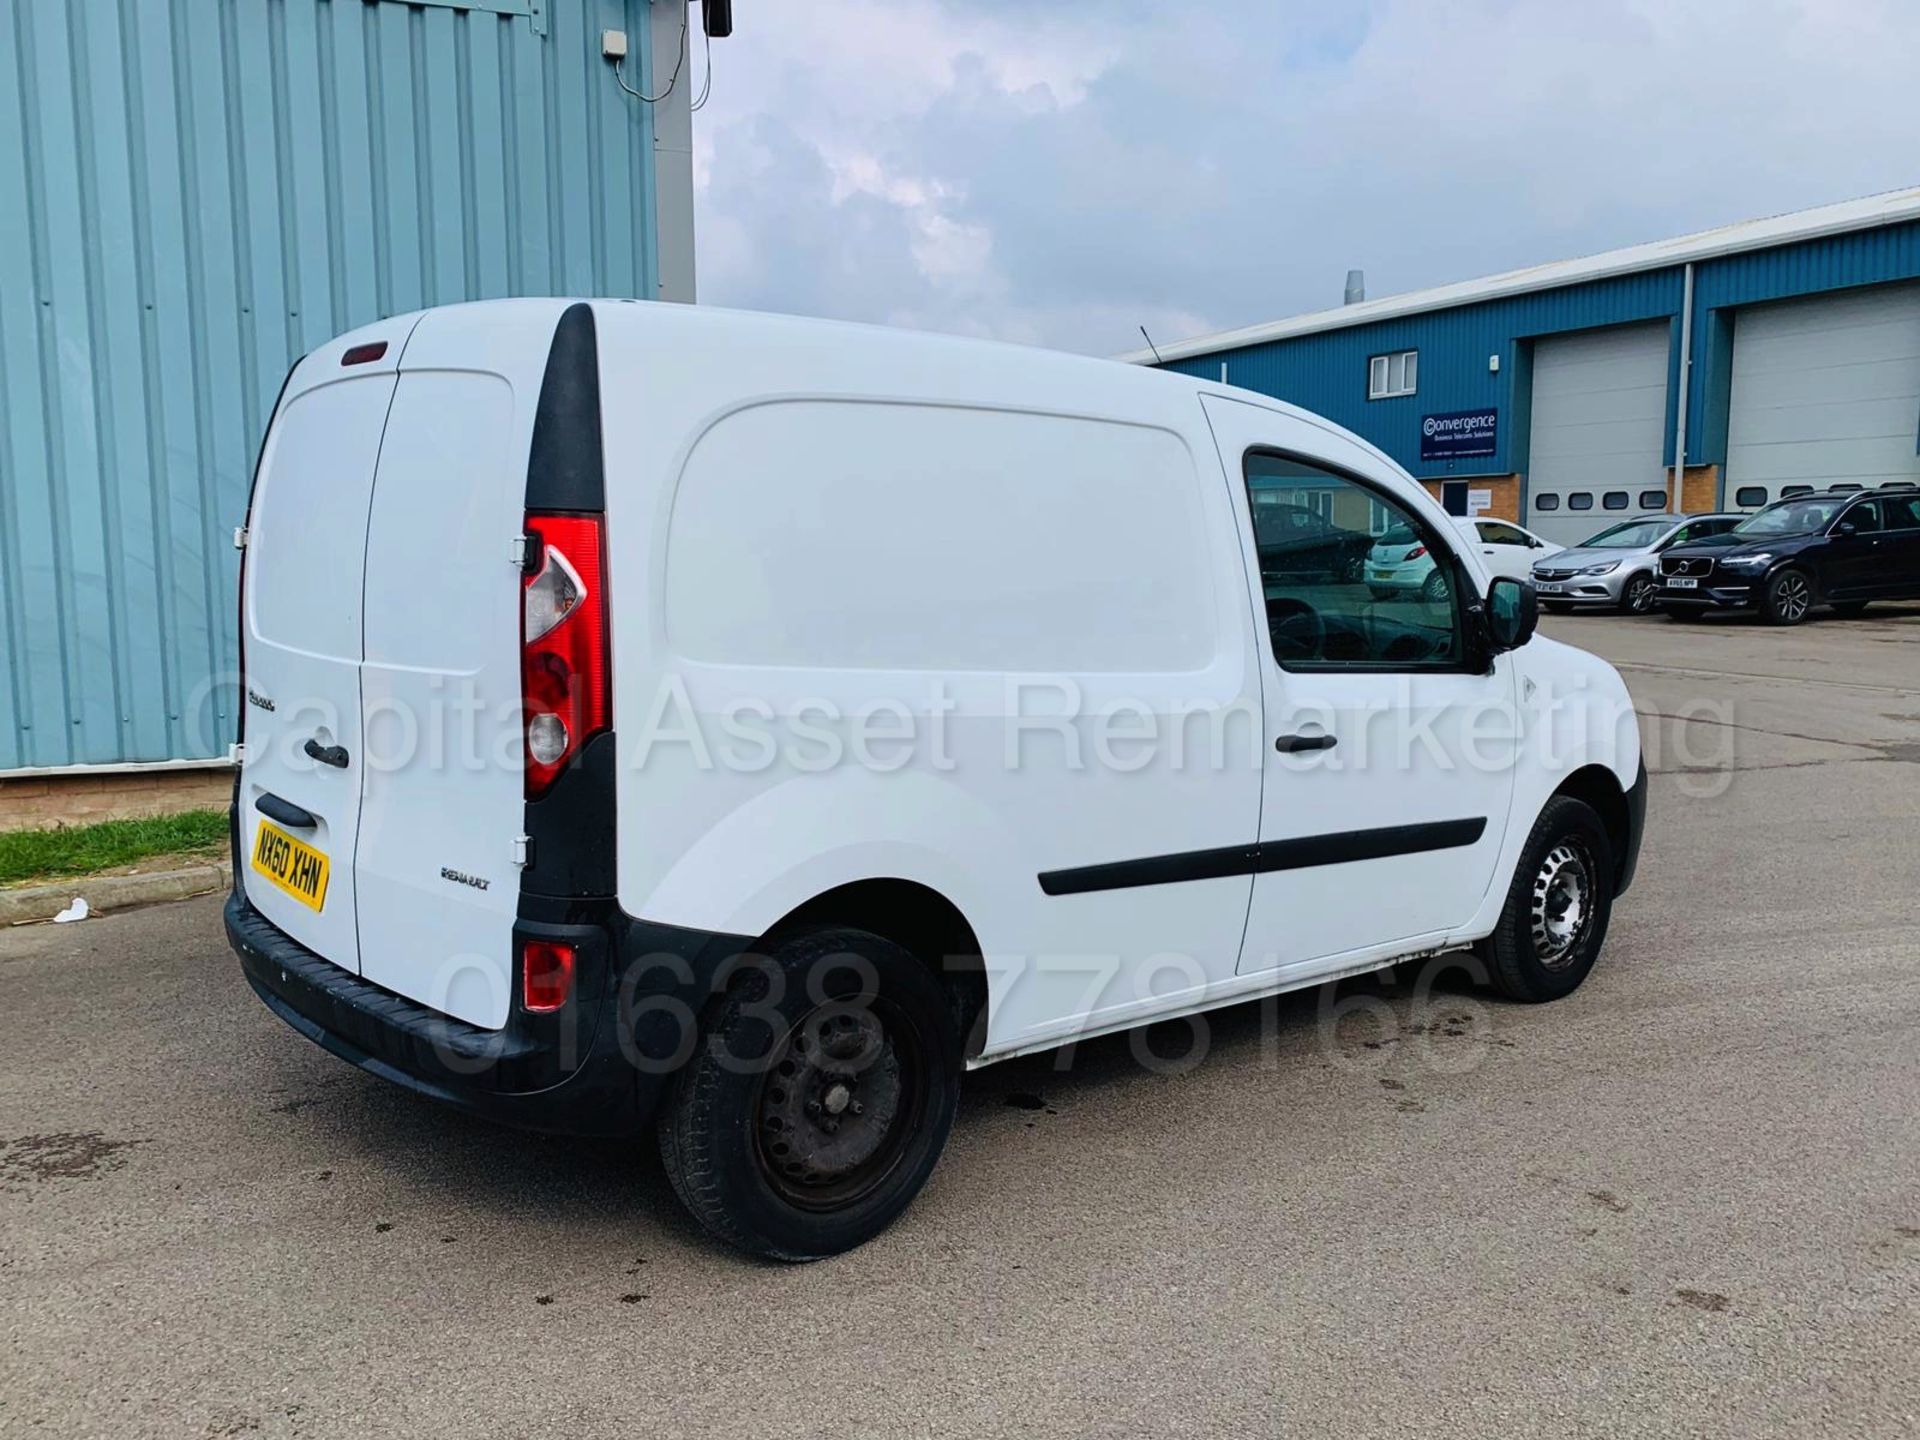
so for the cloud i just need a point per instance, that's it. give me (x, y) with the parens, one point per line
(1060, 174)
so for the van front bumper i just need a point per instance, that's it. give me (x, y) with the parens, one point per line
(596, 1067)
(1629, 858)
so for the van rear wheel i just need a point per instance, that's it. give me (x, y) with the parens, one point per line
(1557, 909)
(819, 1099)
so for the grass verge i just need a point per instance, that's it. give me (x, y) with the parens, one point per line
(84, 849)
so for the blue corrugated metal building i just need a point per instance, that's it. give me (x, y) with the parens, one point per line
(1787, 349)
(195, 192)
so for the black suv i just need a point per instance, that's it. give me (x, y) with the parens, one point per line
(1838, 548)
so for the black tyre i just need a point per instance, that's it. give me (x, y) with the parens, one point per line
(1849, 608)
(1436, 588)
(1638, 595)
(1555, 919)
(819, 1098)
(1788, 597)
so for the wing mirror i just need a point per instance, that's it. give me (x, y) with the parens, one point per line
(1844, 528)
(1513, 613)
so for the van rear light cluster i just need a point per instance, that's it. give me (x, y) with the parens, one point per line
(546, 975)
(564, 671)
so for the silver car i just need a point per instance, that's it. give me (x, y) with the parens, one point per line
(1615, 568)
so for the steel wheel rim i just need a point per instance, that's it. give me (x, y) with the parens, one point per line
(838, 1103)
(1790, 594)
(1640, 594)
(1562, 906)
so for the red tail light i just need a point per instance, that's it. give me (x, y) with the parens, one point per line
(1416, 552)
(564, 671)
(546, 975)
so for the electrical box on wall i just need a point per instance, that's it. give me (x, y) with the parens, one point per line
(613, 44)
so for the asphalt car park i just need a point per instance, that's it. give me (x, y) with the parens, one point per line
(1682, 1200)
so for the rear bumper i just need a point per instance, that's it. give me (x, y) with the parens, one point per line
(1399, 577)
(596, 1067)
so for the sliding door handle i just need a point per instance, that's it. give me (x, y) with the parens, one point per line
(1294, 744)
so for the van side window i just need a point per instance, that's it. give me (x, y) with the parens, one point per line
(1352, 579)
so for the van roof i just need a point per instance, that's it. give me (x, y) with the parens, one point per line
(1059, 381)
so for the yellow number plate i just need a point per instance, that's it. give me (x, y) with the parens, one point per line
(295, 867)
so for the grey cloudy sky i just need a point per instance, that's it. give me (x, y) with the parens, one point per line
(1060, 173)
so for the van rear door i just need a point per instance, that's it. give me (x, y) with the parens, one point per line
(306, 536)
(444, 804)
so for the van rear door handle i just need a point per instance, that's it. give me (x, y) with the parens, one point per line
(1293, 744)
(334, 755)
(285, 811)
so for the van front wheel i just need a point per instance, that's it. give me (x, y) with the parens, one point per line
(1555, 919)
(819, 1098)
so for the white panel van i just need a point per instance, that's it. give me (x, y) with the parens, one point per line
(738, 726)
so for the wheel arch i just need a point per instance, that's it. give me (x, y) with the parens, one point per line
(921, 921)
(1598, 788)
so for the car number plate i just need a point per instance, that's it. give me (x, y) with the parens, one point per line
(293, 865)
(1548, 587)
(1683, 582)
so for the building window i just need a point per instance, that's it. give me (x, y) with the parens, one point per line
(1614, 500)
(1580, 500)
(1787, 492)
(1546, 502)
(1750, 495)
(1390, 375)
(1653, 499)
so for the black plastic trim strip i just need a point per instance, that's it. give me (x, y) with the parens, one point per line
(565, 466)
(1300, 853)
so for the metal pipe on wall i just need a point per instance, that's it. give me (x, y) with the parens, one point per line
(1677, 503)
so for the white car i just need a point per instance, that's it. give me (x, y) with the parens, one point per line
(731, 727)
(1400, 562)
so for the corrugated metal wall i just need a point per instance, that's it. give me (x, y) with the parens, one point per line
(192, 194)
(1866, 257)
(1327, 372)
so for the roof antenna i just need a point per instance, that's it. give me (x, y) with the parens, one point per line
(1151, 346)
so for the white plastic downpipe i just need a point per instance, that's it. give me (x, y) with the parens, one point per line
(1680, 404)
